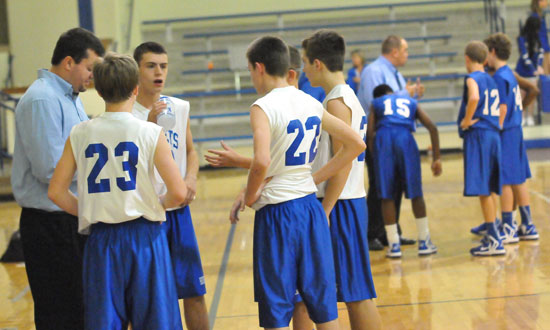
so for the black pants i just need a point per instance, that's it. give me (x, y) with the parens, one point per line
(53, 259)
(374, 204)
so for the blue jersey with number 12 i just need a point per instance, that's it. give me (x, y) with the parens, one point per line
(395, 111)
(487, 110)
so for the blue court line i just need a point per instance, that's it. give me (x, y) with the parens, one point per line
(213, 311)
(419, 303)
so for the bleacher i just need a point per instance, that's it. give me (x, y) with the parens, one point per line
(220, 95)
(200, 51)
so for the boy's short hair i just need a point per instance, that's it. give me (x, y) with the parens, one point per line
(381, 90)
(501, 44)
(75, 43)
(148, 47)
(390, 43)
(328, 47)
(116, 77)
(476, 51)
(272, 52)
(295, 58)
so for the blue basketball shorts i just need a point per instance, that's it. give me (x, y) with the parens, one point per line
(482, 162)
(350, 247)
(515, 165)
(128, 278)
(184, 251)
(293, 251)
(397, 163)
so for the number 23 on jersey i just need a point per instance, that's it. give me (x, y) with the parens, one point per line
(129, 166)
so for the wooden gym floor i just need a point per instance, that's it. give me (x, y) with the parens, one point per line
(450, 290)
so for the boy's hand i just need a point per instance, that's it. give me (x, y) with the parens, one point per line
(465, 125)
(191, 183)
(258, 193)
(158, 107)
(238, 206)
(436, 167)
(222, 158)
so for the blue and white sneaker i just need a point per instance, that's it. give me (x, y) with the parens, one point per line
(528, 232)
(394, 251)
(508, 233)
(426, 247)
(490, 246)
(481, 230)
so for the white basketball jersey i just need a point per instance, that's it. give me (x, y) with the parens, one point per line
(355, 185)
(176, 137)
(295, 123)
(114, 156)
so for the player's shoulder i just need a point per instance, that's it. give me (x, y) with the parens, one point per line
(179, 103)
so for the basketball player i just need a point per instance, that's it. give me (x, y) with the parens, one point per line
(128, 275)
(479, 121)
(397, 162)
(343, 195)
(290, 225)
(152, 60)
(515, 165)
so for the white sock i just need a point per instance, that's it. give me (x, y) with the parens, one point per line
(422, 227)
(391, 234)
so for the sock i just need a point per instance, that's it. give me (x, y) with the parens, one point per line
(492, 230)
(514, 213)
(391, 234)
(525, 212)
(507, 218)
(422, 227)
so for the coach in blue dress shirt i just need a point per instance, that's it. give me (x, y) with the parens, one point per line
(395, 52)
(44, 118)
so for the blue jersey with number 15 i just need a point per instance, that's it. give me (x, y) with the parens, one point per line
(487, 110)
(395, 111)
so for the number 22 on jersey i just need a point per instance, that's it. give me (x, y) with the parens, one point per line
(129, 166)
(291, 159)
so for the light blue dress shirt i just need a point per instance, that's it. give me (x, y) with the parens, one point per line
(44, 117)
(380, 71)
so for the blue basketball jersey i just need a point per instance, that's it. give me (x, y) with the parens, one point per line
(509, 93)
(395, 111)
(487, 110)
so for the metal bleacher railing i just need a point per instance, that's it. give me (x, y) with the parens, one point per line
(4, 108)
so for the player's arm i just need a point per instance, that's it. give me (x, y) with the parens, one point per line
(170, 174)
(192, 168)
(532, 91)
(335, 184)
(503, 96)
(352, 146)
(473, 99)
(61, 180)
(434, 137)
(227, 158)
(262, 158)
(371, 130)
